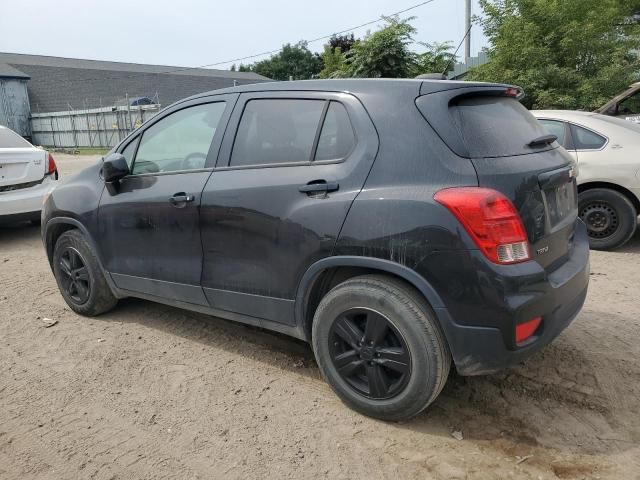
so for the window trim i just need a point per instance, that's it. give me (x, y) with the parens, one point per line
(570, 140)
(216, 142)
(223, 162)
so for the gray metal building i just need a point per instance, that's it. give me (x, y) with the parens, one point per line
(37, 84)
(14, 100)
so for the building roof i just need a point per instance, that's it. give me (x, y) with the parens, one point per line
(58, 83)
(7, 71)
(48, 61)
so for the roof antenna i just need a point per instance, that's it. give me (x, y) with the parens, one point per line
(455, 54)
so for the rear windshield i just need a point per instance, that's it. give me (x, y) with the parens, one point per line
(496, 126)
(10, 139)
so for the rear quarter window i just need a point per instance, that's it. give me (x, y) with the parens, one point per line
(10, 139)
(495, 126)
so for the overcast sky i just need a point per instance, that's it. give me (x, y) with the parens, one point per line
(199, 32)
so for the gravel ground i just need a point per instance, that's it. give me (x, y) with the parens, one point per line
(149, 391)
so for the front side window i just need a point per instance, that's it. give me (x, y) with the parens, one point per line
(336, 138)
(586, 139)
(129, 150)
(276, 131)
(179, 141)
(556, 128)
(630, 105)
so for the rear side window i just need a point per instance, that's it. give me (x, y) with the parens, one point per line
(493, 126)
(276, 131)
(584, 139)
(336, 138)
(556, 128)
(10, 139)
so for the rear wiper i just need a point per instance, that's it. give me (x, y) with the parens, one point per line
(543, 140)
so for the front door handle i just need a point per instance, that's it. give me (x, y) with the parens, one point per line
(319, 186)
(181, 199)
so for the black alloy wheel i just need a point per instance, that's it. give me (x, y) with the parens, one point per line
(369, 353)
(75, 278)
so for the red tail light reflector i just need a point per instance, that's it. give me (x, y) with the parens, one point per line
(526, 329)
(491, 220)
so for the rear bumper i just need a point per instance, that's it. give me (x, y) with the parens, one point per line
(25, 201)
(557, 297)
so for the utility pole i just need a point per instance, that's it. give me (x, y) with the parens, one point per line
(467, 30)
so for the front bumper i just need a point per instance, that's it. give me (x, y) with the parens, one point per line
(557, 297)
(26, 201)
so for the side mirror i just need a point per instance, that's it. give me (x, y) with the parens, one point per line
(114, 168)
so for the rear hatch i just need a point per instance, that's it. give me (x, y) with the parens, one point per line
(512, 153)
(21, 164)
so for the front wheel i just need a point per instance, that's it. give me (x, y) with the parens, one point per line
(610, 217)
(379, 346)
(79, 277)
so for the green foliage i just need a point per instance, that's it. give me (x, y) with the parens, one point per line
(343, 42)
(333, 60)
(384, 53)
(436, 59)
(293, 60)
(565, 54)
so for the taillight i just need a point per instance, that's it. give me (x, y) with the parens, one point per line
(50, 167)
(526, 329)
(491, 220)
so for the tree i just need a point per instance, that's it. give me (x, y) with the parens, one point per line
(343, 42)
(573, 55)
(384, 53)
(436, 59)
(333, 60)
(293, 60)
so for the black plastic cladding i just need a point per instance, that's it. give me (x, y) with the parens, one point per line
(251, 245)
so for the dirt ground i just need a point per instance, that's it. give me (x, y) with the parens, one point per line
(149, 391)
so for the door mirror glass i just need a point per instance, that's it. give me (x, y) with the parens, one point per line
(114, 167)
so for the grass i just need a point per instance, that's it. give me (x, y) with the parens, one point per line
(79, 150)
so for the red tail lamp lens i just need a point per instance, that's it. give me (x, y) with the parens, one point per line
(51, 164)
(491, 220)
(527, 329)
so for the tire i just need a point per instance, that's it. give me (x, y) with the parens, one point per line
(88, 293)
(412, 336)
(610, 217)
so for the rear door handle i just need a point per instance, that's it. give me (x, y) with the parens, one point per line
(181, 199)
(319, 186)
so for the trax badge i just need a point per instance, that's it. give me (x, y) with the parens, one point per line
(542, 250)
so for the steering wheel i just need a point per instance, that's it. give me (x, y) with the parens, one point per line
(193, 161)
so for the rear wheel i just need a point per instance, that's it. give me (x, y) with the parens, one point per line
(79, 277)
(379, 346)
(610, 217)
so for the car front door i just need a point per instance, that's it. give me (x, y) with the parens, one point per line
(289, 168)
(149, 231)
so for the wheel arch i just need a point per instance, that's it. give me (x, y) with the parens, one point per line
(635, 201)
(323, 275)
(56, 226)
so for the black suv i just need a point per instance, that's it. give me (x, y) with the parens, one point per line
(396, 225)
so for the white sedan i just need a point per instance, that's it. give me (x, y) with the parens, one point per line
(607, 150)
(27, 175)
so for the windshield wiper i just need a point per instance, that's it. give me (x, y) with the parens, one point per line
(543, 140)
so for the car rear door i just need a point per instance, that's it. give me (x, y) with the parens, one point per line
(149, 223)
(510, 153)
(21, 164)
(290, 166)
